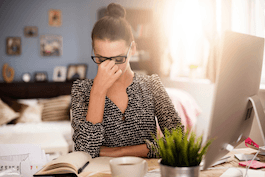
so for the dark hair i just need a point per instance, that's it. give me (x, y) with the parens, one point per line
(113, 26)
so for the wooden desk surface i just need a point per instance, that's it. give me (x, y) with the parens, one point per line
(232, 162)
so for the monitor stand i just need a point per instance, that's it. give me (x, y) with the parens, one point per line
(260, 116)
(259, 113)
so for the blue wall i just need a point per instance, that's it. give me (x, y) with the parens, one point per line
(78, 18)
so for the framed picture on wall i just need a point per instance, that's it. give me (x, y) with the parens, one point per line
(41, 76)
(59, 74)
(76, 71)
(51, 45)
(13, 45)
(31, 31)
(55, 17)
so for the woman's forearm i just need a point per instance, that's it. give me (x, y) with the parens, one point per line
(136, 150)
(96, 106)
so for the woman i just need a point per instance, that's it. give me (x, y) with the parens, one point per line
(114, 113)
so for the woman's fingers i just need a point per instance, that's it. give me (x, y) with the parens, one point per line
(108, 73)
(117, 74)
(114, 69)
(108, 64)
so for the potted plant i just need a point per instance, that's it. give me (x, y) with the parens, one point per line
(181, 153)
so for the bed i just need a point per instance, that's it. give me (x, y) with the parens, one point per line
(38, 107)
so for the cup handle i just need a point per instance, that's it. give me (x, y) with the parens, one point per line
(145, 167)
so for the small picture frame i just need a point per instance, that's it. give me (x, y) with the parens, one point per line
(76, 71)
(59, 74)
(13, 46)
(41, 77)
(51, 45)
(31, 31)
(55, 17)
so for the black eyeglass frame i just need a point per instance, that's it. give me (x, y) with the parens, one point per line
(111, 58)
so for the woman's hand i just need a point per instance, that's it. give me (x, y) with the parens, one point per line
(111, 151)
(107, 74)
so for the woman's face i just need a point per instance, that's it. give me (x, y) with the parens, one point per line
(106, 48)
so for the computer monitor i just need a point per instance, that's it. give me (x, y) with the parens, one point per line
(235, 100)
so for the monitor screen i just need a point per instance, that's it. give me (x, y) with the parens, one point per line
(238, 79)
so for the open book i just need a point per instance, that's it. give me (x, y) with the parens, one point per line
(69, 164)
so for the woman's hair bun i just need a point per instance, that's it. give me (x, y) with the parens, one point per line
(116, 10)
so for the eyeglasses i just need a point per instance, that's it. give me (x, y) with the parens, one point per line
(118, 59)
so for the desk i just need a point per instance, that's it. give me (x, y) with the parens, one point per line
(232, 162)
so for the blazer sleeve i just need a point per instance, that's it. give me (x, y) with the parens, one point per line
(165, 112)
(87, 136)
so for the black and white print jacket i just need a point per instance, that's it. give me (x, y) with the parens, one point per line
(147, 98)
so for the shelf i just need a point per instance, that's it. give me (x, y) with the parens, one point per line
(22, 90)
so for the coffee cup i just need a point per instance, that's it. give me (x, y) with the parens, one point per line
(128, 167)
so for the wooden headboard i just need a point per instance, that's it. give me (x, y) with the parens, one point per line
(21, 90)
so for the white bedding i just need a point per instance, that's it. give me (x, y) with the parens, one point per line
(63, 127)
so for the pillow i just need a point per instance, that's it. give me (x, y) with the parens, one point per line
(12, 103)
(55, 109)
(30, 102)
(30, 113)
(7, 114)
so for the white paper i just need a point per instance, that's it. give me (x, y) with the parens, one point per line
(14, 154)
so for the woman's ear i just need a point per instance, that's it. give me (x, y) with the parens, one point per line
(133, 48)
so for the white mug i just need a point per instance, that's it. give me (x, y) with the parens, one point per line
(128, 167)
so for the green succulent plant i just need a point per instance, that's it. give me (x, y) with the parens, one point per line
(179, 149)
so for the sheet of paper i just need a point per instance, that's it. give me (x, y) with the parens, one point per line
(31, 156)
(34, 151)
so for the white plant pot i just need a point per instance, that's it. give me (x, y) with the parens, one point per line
(168, 171)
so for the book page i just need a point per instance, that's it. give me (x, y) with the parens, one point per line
(60, 170)
(70, 162)
(58, 165)
(76, 158)
(98, 164)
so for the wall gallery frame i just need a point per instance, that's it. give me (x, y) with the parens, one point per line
(13, 45)
(77, 71)
(51, 45)
(59, 74)
(55, 17)
(31, 31)
(41, 77)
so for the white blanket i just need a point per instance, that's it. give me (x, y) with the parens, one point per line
(63, 127)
